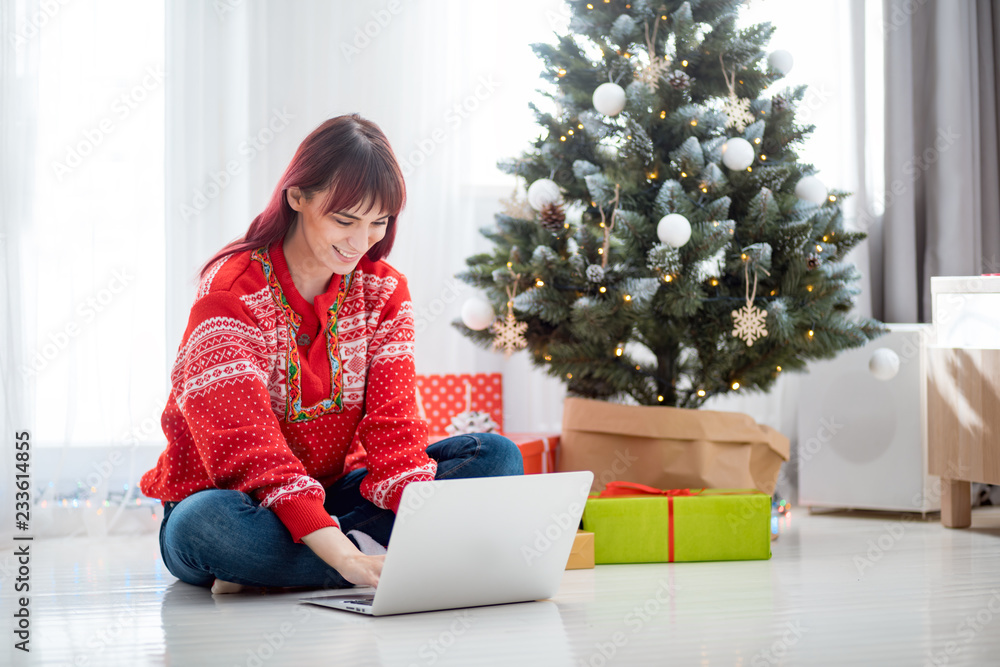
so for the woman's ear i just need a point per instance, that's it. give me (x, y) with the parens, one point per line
(296, 198)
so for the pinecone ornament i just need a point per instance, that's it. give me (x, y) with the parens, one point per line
(679, 80)
(595, 273)
(812, 262)
(552, 217)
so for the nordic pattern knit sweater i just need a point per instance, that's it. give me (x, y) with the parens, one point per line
(278, 398)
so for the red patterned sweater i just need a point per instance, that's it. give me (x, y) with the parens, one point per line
(256, 407)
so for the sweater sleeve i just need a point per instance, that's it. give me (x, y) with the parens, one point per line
(221, 383)
(392, 433)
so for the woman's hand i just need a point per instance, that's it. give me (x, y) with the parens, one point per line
(339, 552)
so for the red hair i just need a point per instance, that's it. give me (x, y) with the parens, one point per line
(351, 156)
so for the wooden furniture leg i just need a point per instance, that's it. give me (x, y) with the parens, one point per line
(956, 503)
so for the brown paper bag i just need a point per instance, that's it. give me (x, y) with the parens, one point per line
(669, 448)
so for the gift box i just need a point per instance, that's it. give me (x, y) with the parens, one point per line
(669, 448)
(538, 450)
(441, 397)
(633, 523)
(581, 556)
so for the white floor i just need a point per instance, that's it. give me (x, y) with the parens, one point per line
(840, 589)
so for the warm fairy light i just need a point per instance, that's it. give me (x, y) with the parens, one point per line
(833, 198)
(569, 376)
(763, 157)
(715, 282)
(663, 114)
(562, 138)
(684, 174)
(757, 140)
(562, 72)
(628, 297)
(779, 369)
(637, 368)
(539, 283)
(819, 248)
(704, 189)
(603, 289)
(590, 6)
(600, 251)
(810, 334)
(826, 238)
(510, 264)
(743, 256)
(749, 168)
(809, 288)
(618, 352)
(579, 126)
(715, 223)
(663, 18)
(628, 55)
(736, 385)
(548, 357)
(565, 225)
(684, 63)
(667, 278)
(593, 203)
(659, 398)
(694, 122)
(569, 132)
(651, 175)
(701, 392)
(773, 292)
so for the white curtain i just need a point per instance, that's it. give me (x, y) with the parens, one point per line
(448, 82)
(18, 108)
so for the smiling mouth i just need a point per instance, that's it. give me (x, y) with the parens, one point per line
(346, 255)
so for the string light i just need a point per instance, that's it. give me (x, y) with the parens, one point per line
(619, 351)
(589, 6)
(539, 283)
(510, 264)
(569, 132)
(569, 376)
(694, 122)
(562, 72)
(749, 168)
(809, 288)
(579, 126)
(548, 357)
(736, 385)
(701, 392)
(684, 174)
(602, 225)
(659, 398)
(637, 368)
(684, 63)
(810, 334)
(825, 238)
(779, 369)
(763, 157)
(663, 114)
(743, 256)
(819, 248)
(704, 189)
(833, 198)
(667, 278)
(628, 297)
(715, 282)
(651, 175)
(603, 289)
(562, 138)
(757, 140)
(773, 292)
(600, 251)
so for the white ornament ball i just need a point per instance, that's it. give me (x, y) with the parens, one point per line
(737, 154)
(477, 314)
(609, 99)
(781, 61)
(674, 230)
(811, 189)
(543, 192)
(884, 364)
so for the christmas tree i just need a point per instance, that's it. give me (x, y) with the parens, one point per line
(675, 248)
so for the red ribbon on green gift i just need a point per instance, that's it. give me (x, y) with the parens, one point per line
(622, 489)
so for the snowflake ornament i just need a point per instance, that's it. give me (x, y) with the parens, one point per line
(509, 334)
(737, 110)
(748, 323)
(653, 73)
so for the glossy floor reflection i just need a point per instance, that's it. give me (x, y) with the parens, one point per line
(843, 588)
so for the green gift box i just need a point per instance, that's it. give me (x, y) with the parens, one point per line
(633, 523)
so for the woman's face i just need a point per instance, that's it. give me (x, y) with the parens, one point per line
(337, 240)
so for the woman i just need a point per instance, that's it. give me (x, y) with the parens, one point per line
(292, 427)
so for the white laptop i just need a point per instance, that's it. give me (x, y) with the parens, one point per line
(471, 542)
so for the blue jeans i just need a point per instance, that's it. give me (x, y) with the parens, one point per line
(226, 534)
